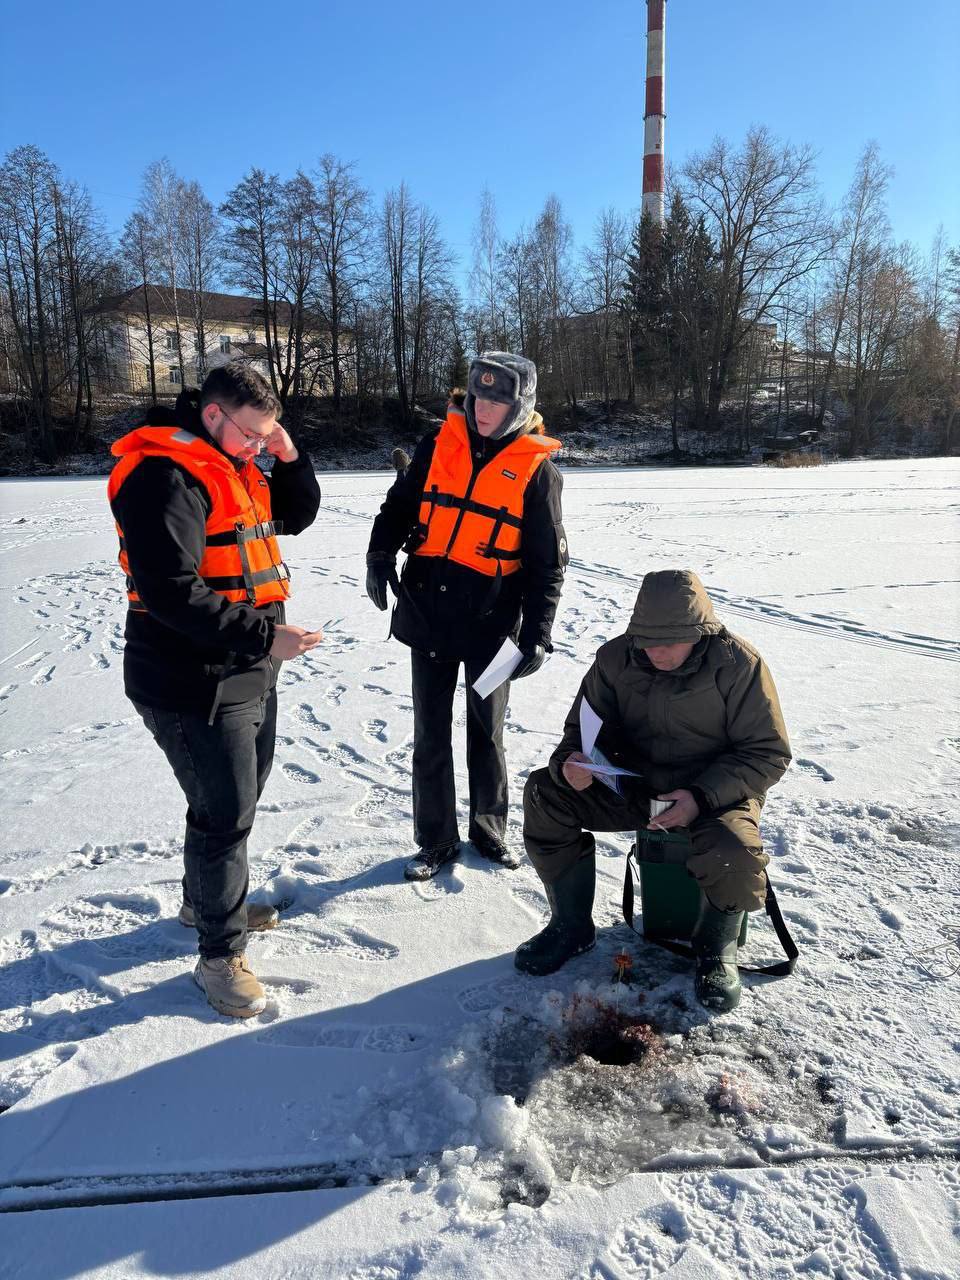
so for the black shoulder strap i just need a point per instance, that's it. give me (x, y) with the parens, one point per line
(771, 906)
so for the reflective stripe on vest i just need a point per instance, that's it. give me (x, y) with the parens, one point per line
(241, 558)
(475, 518)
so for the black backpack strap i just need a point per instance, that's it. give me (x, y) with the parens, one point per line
(628, 890)
(772, 907)
(790, 950)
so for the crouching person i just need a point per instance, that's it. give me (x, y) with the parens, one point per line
(694, 711)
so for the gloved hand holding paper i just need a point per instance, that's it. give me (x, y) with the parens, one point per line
(600, 766)
(505, 662)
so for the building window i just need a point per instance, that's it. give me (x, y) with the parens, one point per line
(173, 374)
(225, 344)
(172, 343)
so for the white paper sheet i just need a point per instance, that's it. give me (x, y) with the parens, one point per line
(606, 771)
(505, 662)
(590, 726)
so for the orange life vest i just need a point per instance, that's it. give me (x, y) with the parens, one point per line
(475, 519)
(241, 560)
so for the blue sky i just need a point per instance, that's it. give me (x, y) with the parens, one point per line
(528, 97)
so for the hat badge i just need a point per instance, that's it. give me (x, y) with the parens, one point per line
(487, 379)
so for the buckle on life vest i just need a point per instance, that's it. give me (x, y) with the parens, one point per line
(416, 540)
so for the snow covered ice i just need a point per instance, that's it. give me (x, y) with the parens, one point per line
(421, 1090)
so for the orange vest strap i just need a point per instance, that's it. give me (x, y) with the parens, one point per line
(232, 537)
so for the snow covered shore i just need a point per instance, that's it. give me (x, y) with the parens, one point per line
(418, 1089)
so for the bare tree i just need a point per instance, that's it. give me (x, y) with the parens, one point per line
(82, 261)
(253, 210)
(552, 241)
(430, 297)
(764, 215)
(342, 224)
(883, 311)
(200, 249)
(951, 290)
(863, 223)
(137, 255)
(485, 284)
(27, 230)
(302, 360)
(397, 230)
(160, 202)
(605, 280)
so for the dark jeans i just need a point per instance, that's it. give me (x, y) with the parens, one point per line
(222, 769)
(727, 861)
(434, 790)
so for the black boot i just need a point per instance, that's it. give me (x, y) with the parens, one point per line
(430, 859)
(714, 942)
(570, 930)
(496, 850)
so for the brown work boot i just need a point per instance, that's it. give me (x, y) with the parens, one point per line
(230, 986)
(260, 917)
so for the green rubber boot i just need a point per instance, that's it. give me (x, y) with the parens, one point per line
(714, 942)
(570, 930)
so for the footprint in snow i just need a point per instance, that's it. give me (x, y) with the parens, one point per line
(306, 715)
(349, 943)
(27, 1071)
(891, 920)
(811, 766)
(298, 774)
(33, 660)
(376, 730)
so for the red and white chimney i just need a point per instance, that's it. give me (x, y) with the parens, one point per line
(653, 115)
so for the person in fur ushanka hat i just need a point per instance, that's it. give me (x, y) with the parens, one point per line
(478, 513)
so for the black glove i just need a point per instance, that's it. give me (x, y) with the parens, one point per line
(532, 660)
(379, 576)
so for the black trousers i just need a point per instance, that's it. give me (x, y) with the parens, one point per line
(434, 790)
(221, 769)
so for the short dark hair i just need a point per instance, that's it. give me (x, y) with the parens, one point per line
(237, 384)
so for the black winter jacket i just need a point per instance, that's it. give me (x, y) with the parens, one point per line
(191, 638)
(449, 611)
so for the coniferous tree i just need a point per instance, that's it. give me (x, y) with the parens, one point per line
(646, 289)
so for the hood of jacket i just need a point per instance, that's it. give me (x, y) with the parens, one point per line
(672, 608)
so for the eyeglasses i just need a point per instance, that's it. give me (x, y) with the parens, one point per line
(252, 436)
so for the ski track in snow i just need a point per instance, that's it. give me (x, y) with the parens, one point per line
(829, 625)
(399, 1001)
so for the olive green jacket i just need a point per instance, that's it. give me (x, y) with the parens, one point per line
(713, 725)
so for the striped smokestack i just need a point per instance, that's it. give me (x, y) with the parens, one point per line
(653, 116)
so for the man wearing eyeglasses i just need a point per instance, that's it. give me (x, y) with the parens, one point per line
(206, 632)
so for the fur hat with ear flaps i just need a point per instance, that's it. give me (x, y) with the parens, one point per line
(506, 379)
(672, 608)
